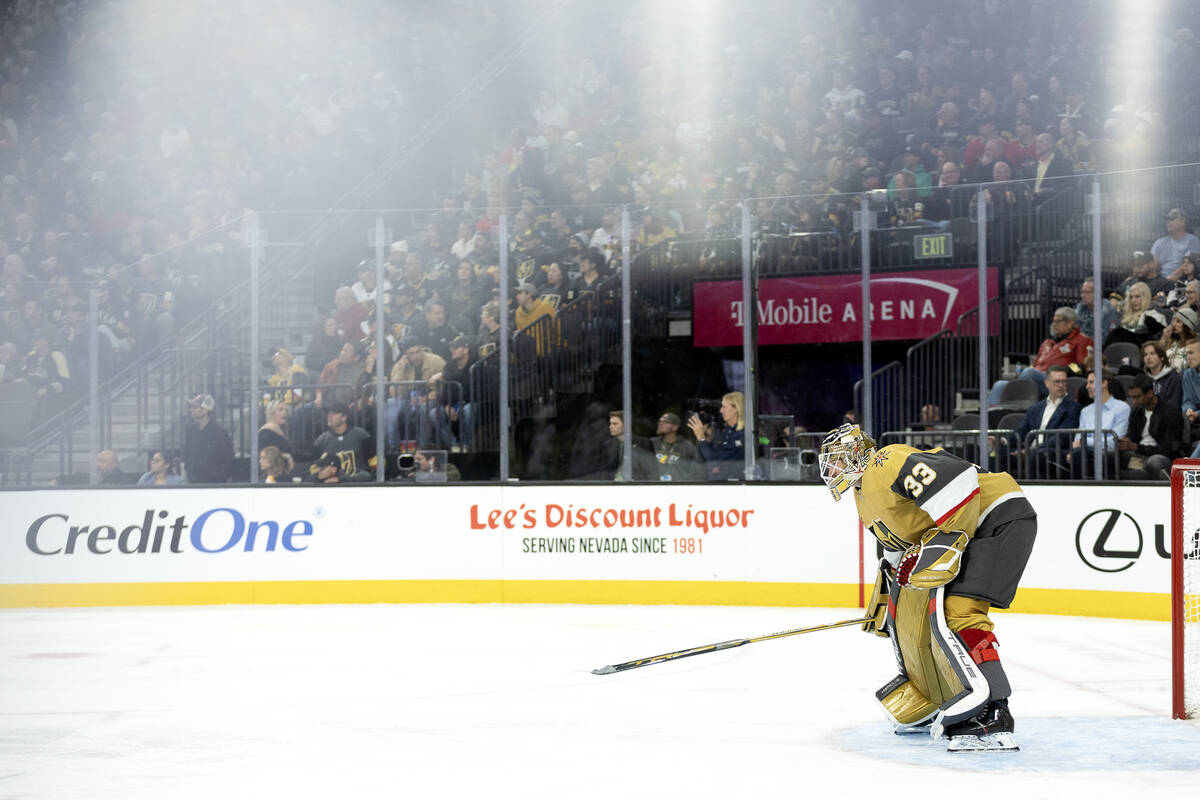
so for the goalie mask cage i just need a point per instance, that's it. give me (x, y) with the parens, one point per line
(1185, 589)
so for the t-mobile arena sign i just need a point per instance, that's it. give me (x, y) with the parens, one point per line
(827, 308)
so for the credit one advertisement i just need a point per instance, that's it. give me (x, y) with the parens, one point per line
(690, 533)
(818, 309)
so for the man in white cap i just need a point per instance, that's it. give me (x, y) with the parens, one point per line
(207, 450)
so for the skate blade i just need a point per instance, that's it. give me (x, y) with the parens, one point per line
(992, 743)
(909, 730)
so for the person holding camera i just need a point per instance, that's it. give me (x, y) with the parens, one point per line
(723, 451)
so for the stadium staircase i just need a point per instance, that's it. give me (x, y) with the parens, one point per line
(143, 406)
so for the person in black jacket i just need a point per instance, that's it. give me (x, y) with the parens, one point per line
(614, 452)
(207, 450)
(1046, 456)
(1155, 435)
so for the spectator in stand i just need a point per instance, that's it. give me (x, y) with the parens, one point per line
(48, 372)
(905, 200)
(1109, 316)
(424, 284)
(985, 165)
(1177, 336)
(274, 432)
(353, 447)
(404, 315)
(272, 467)
(614, 452)
(1169, 250)
(976, 144)
(207, 450)
(326, 470)
(1009, 200)
(453, 418)
(678, 459)
(417, 364)
(431, 466)
(339, 379)
(1074, 145)
(1066, 345)
(530, 310)
(607, 237)
(911, 163)
(845, 97)
(364, 287)
(602, 193)
(1021, 152)
(437, 332)
(159, 473)
(1191, 387)
(350, 315)
(464, 243)
(1168, 385)
(1177, 295)
(1155, 435)
(950, 200)
(108, 473)
(887, 98)
(1140, 321)
(1047, 458)
(287, 376)
(1114, 416)
(323, 345)
(589, 274)
(12, 366)
(1048, 169)
(464, 297)
(554, 291)
(1144, 269)
(489, 329)
(948, 129)
(723, 452)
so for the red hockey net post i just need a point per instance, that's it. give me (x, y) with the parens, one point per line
(1185, 589)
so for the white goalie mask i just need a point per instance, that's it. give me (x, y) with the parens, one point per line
(845, 454)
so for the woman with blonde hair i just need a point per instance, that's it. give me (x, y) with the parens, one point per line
(725, 450)
(1140, 320)
(274, 433)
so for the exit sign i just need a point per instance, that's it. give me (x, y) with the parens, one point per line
(935, 245)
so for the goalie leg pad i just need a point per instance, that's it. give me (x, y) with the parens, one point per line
(909, 710)
(933, 660)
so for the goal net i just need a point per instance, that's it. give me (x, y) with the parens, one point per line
(1185, 589)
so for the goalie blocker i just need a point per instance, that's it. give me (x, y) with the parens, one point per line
(957, 540)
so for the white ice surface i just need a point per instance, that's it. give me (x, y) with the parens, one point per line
(483, 701)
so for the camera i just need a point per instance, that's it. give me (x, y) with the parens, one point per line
(406, 465)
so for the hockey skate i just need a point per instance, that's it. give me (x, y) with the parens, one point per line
(991, 730)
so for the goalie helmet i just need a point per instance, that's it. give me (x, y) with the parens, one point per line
(845, 454)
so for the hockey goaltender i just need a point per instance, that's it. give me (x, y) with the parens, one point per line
(956, 540)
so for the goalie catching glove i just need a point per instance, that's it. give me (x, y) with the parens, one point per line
(933, 562)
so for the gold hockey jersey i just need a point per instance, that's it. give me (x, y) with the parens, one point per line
(904, 492)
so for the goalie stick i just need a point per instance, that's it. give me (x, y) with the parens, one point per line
(712, 648)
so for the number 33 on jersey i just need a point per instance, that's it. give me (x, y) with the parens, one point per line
(904, 492)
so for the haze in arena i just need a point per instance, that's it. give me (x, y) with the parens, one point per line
(551, 399)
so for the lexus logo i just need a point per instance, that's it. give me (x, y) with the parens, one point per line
(1108, 540)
